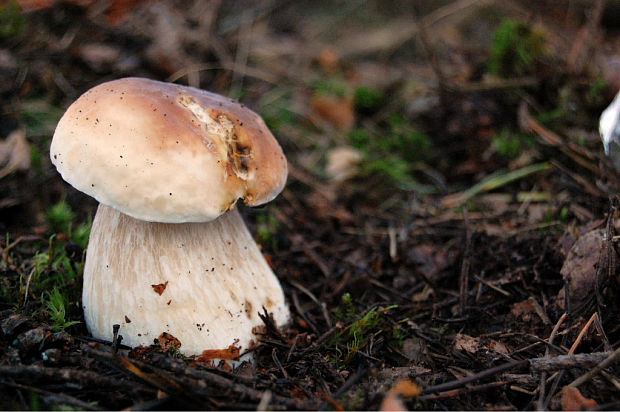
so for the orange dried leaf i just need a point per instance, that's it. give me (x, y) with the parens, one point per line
(119, 9)
(573, 400)
(335, 110)
(328, 60)
(159, 289)
(14, 153)
(525, 309)
(28, 6)
(230, 353)
(393, 399)
(407, 388)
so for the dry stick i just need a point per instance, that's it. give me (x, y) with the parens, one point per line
(602, 365)
(84, 378)
(480, 375)
(543, 375)
(292, 349)
(559, 375)
(307, 292)
(465, 265)
(361, 371)
(599, 327)
(59, 398)
(432, 57)
(274, 356)
(198, 379)
(243, 51)
(462, 391)
(581, 51)
(529, 125)
(611, 258)
(322, 338)
(582, 333)
(611, 379)
(301, 313)
(580, 360)
(492, 286)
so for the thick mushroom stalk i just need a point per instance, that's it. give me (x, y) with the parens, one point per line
(216, 281)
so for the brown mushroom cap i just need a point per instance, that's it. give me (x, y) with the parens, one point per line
(166, 153)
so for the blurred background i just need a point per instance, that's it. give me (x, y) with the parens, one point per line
(427, 141)
(414, 97)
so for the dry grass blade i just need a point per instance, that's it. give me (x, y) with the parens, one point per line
(492, 182)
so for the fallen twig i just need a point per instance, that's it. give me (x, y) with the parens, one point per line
(602, 365)
(462, 391)
(58, 398)
(580, 360)
(480, 375)
(37, 373)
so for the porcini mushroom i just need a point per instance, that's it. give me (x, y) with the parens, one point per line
(168, 251)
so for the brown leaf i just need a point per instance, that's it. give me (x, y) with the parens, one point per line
(166, 341)
(119, 9)
(341, 162)
(580, 267)
(328, 60)
(573, 400)
(14, 153)
(336, 110)
(99, 55)
(466, 343)
(498, 347)
(159, 289)
(524, 309)
(230, 353)
(393, 399)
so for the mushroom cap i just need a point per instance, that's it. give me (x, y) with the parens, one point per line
(162, 152)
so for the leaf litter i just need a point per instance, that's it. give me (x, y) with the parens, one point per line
(461, 254)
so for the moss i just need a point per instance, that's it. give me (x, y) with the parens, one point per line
(516, 49)
(510, 144)
(12, 21)
(393, 152)
(59, 217)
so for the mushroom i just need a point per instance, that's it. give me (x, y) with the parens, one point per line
(168, 251)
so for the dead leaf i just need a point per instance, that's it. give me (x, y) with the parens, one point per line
(498, 347)
(14, 153)
(119, 9)
(524, 309)
(328, 60)
(393, 399)
(430, 259)
(99, 55)
(335, 110)
(116, 10)
(342, 163)
(166, 341)
(580, 267)
(466, 343)
(573, 400)
(230, 353)
(159, 289)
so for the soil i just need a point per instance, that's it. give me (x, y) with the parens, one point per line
(446, 239)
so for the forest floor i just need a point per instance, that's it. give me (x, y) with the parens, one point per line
(447, 236)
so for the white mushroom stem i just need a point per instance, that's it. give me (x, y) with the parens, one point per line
(216, 282)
